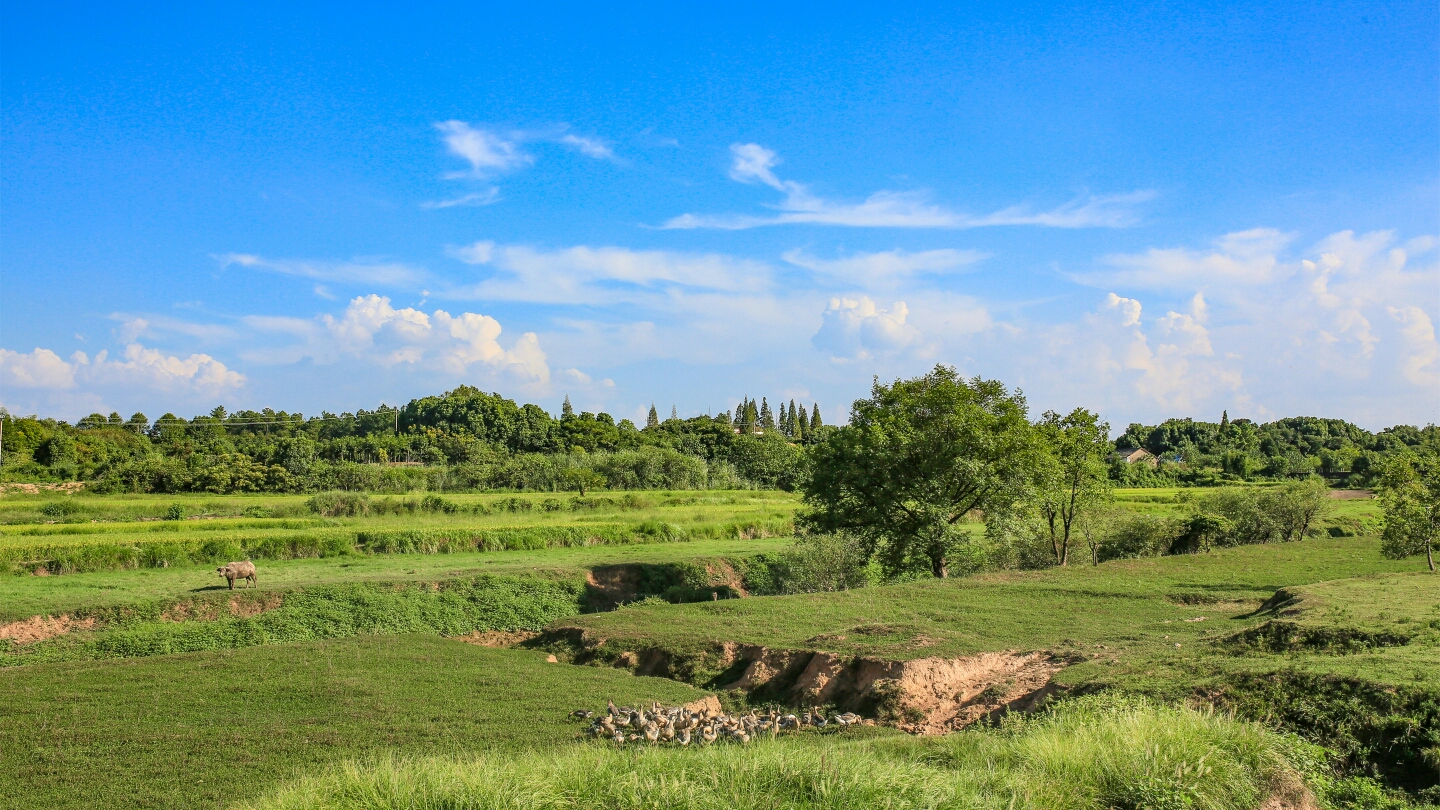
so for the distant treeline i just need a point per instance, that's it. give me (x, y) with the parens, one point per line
(1209, 453)
(468, 440)
(462, 440)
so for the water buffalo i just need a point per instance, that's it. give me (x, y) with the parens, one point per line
(238, 570)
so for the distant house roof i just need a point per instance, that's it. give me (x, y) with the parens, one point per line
(1138, 454)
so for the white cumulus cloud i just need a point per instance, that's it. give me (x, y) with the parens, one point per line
(137, 366)
(372, 328)
(40, 368)
(855, 329)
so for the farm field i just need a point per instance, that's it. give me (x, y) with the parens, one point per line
(120, 532)
(353, 652)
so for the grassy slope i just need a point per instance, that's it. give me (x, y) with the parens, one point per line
(24, 596)
(1130, 606)
(204, 729)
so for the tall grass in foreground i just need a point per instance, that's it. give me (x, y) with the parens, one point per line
(1089, 753)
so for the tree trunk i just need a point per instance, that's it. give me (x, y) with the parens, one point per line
(1430, 556)
(937, 566)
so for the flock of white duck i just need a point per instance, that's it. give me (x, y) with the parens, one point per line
(682, 726)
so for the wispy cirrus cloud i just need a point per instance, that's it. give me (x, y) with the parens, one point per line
(356, 271)
(488, 152)
(489, 196)
(1246, 258)
(754, 164)
(887, 265)
(596, 275)
(492, 152)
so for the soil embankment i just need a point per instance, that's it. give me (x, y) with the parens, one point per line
(921, 696)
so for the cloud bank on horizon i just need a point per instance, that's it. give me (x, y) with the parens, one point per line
(625, 249)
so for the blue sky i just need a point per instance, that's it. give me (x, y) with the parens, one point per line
(1159, 212)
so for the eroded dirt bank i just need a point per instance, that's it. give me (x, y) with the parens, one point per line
(232, 605)
(921, 696)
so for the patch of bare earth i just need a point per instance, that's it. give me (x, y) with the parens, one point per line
(1290, 794)
(1350, 494)
(40, 628)
(921, 696)
(724, 574)
(239, 606)
(497, 638)
(67, 487)
(609, 586)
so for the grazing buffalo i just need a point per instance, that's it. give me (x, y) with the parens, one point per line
(238, 570)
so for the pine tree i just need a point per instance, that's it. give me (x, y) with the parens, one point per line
(815, 423)
(740, 415)
(653, 419)
(767, 417)
(567, 412)
(1224, 420)
(803, 427)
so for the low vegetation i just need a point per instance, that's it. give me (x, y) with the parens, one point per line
(1085, 754)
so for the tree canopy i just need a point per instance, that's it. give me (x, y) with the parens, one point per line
(917, 456)
(1410, 495)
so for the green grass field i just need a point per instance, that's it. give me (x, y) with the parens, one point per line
(181, 694)
(208, 729)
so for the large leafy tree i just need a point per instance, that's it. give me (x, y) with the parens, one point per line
(916, 457)
(1410, 495)
(1073, 474)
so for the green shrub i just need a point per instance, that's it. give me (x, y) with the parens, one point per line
(339, 504)
(824, 562)
(59, 508)
(1139, 535)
